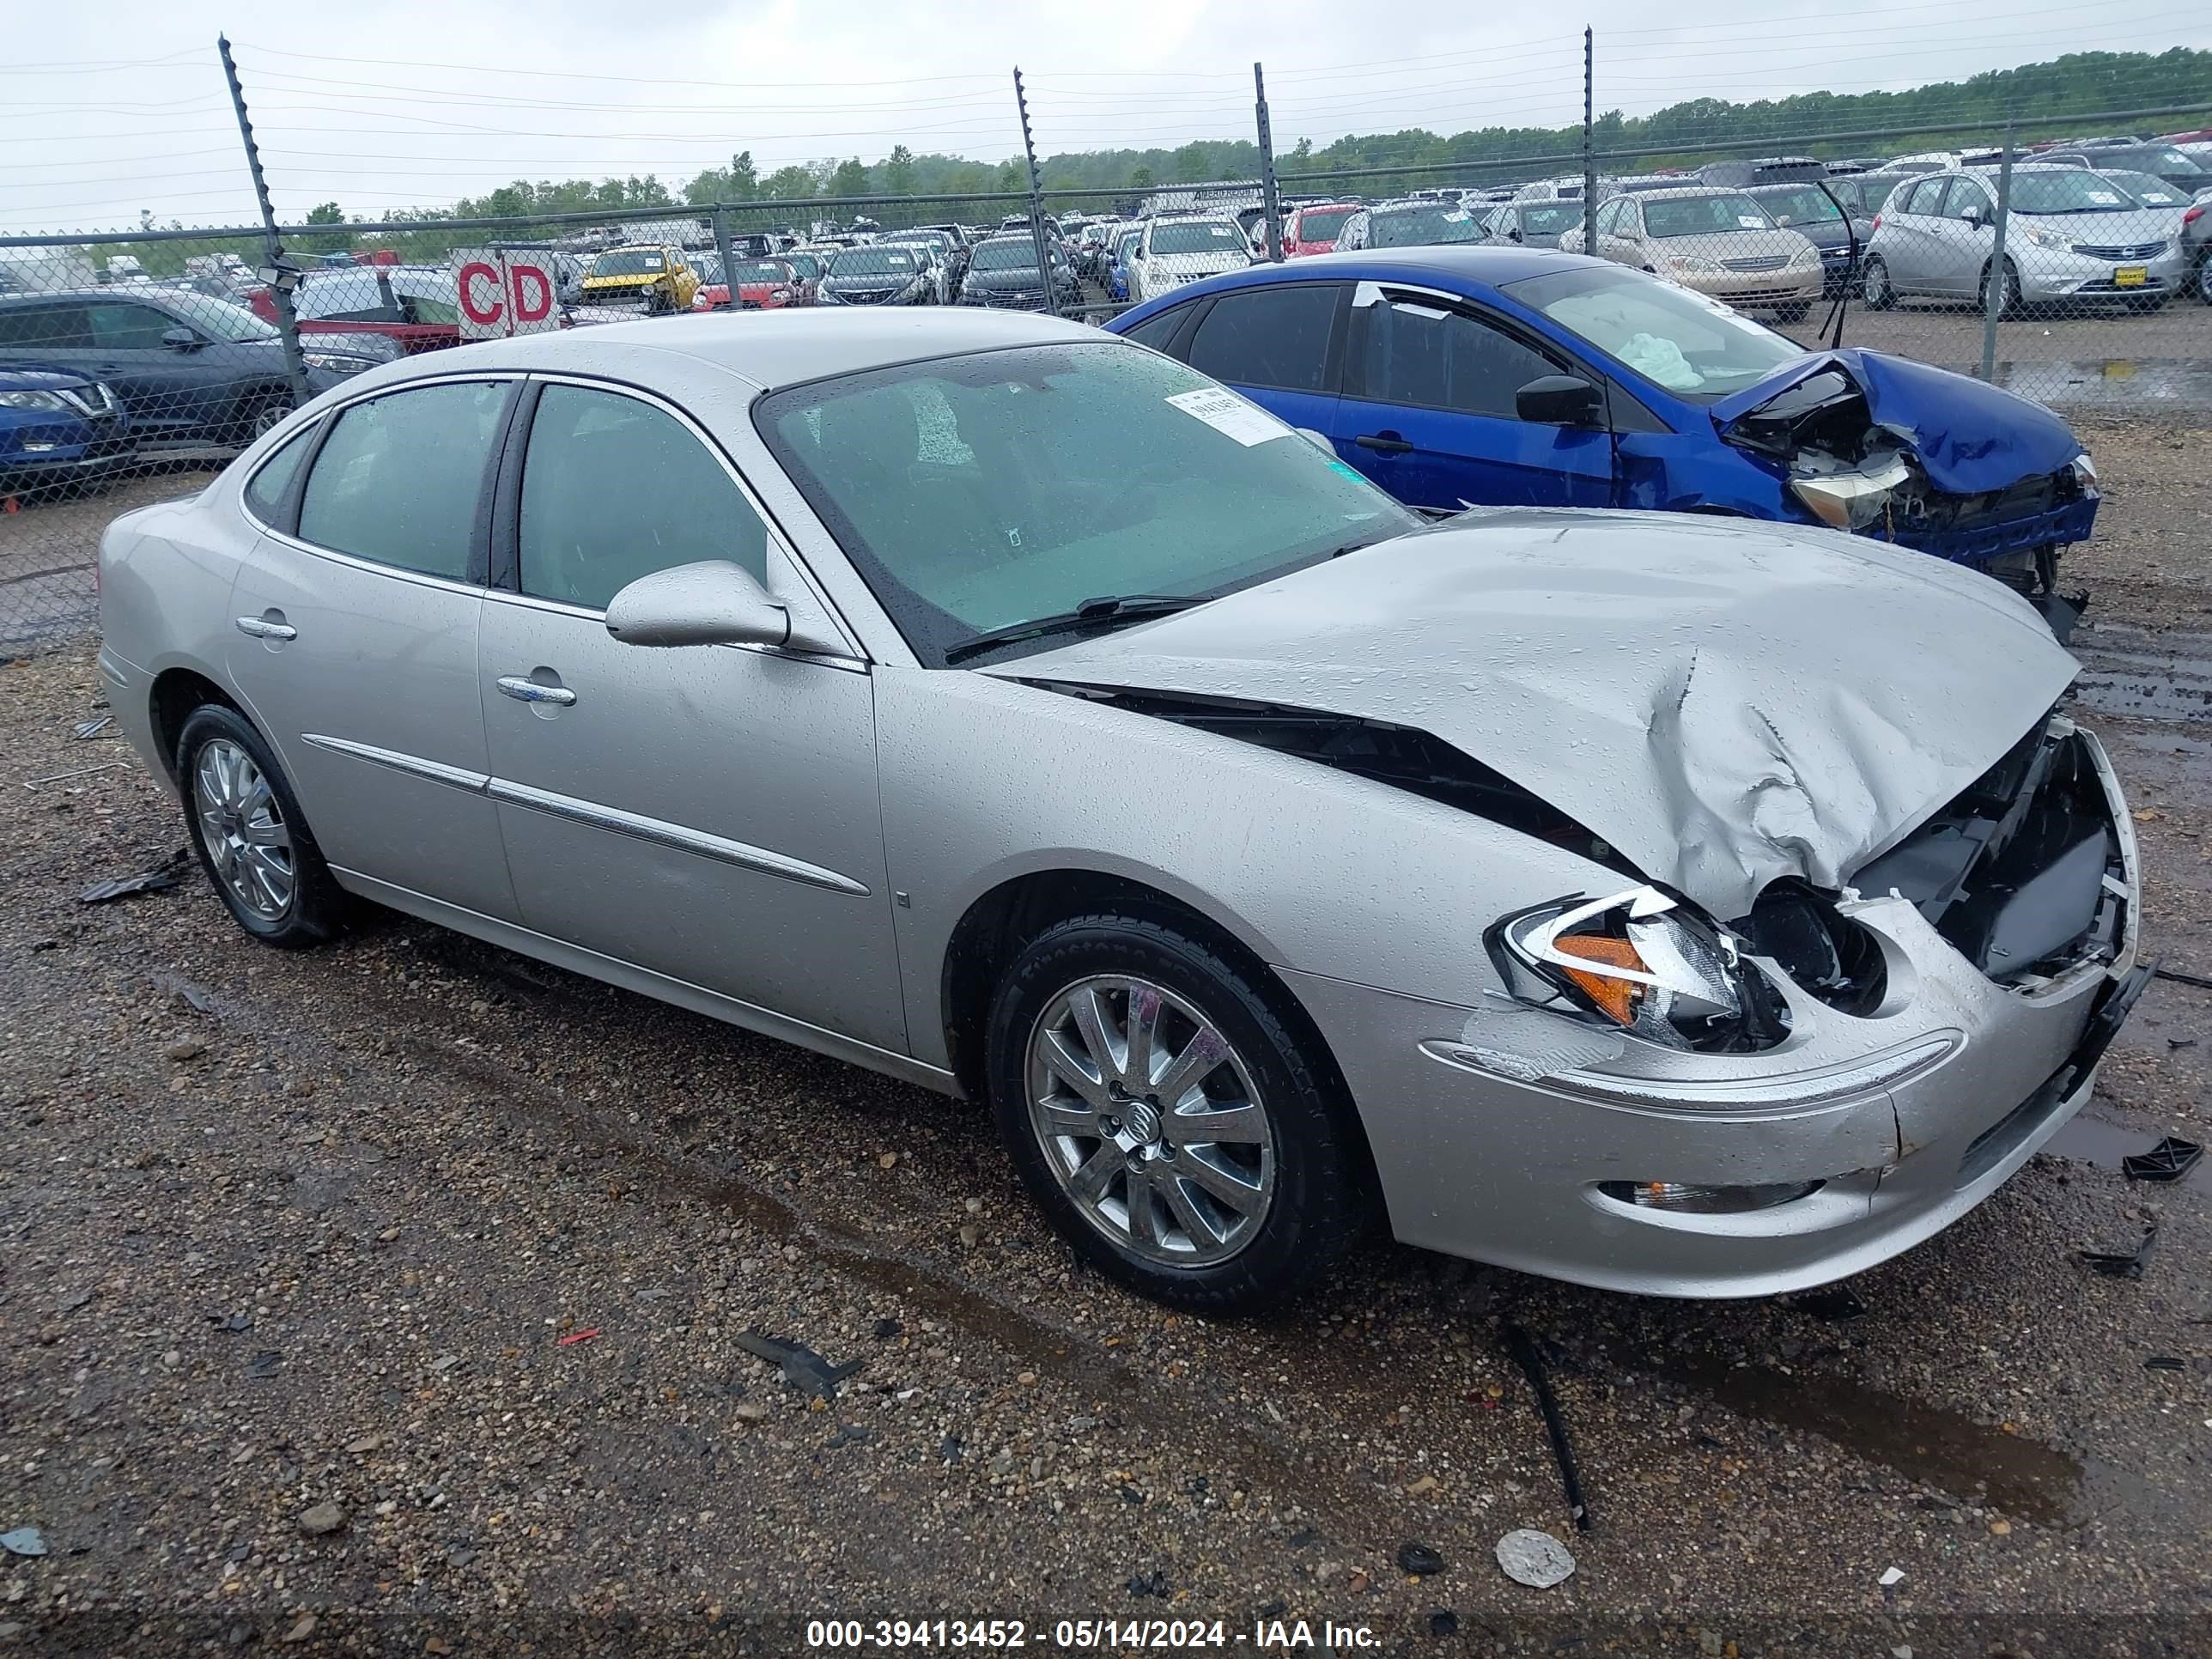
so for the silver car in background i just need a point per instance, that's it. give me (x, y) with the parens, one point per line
(1680, 906)
(2073, 238)
(1719, 243)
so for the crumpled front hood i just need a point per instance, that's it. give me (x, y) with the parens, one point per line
(1725, 704)
(1969, 436)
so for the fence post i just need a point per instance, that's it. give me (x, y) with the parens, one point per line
(1268, 198)
(280, 286)
(722, 249)
(1590, 155)
(1037, 199)
(1998, 287)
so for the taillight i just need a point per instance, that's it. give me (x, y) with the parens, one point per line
(2193, 214)
(1877, 222)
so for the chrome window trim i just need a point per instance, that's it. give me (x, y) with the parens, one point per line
(681, 837)
(245, 483)
(854, 652)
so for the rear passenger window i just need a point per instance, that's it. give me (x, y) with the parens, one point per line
(1155, 331)
(1432, 359)
(1268, 337)
(399, 479)
(268, 490)
(614, 489)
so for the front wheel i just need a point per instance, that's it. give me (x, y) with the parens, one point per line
(1874, 287)
(251, 837)
(1167, 1118)
(1792, 313)
(2000, 291)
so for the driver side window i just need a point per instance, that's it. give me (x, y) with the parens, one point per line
(1427, 358)
(614, 489)
(128, 327)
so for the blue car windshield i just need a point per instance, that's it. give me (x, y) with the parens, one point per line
(1694, 347)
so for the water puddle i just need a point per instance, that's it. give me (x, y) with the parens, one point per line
(1927, 1444)
(2111, 385)
(2140, 675)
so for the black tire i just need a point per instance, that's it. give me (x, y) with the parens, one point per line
(2009, 291)
(2205, 278)
(260, 411)
(1875, 292)
(1796, 314)
(315, 912)
(1318, 1203)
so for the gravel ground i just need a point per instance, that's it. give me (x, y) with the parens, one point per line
(389, 1298)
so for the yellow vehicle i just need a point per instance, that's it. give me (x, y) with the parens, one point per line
(656, 273)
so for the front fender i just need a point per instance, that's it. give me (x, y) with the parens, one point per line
(1315, 870)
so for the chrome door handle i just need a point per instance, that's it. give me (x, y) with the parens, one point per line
(528, 690)
(257, 628)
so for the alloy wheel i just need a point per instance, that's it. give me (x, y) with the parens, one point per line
(1150, 1122)
(243, 830)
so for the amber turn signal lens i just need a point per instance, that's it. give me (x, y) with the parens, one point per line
(1618, 997)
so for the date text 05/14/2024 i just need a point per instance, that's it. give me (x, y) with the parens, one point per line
(1265, 1635)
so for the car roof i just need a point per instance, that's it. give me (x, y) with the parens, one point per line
(151, 291)
(1465, 262)
(769, 348)
(1692, 192)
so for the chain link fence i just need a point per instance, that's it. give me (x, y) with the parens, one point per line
(2066, 263)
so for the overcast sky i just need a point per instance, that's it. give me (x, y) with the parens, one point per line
(118, 108)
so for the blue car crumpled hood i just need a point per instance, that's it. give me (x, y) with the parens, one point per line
(1970, 436)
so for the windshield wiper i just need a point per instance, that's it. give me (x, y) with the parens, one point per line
(1107, 611)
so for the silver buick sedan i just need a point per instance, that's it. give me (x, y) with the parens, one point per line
(1657, 902)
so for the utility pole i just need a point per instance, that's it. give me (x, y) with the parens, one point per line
(1037, 199)
(1589, 153)
(1268, 198)
(281, 275)
(722, 251)
(1998, 289)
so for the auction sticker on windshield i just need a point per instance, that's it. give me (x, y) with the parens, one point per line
(1230, 415)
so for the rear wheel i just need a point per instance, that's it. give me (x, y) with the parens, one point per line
(261, 413)
(251, 837)
(1167, 1118)
(1874, 286)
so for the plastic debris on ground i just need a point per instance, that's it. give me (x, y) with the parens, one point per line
(802, 1367)
(1419, 1560)
(574, 1337)
(1534, 1558)
(2166, 1362)
(92, 728)
(1519, 1344)
(2170, 1160)
(2123, 1264)
(1891, 1575)
(24, 1540)
(159, 879)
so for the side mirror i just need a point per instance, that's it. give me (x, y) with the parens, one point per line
(180, 339)
(1972, 214)
(1513, 234)
(1552, 400)
(712, 603)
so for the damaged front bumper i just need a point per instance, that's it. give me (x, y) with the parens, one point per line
(1516, 1137)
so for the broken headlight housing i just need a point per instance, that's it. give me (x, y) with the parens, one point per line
(1641, 963)
(1852, 499)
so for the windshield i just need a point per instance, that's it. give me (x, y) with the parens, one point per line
(2068, 189)
(1424, 227)
(871, 262)
(911, 240)
(983, 491)
(1550, 221)
(2171, 161)
(1322, 224)
(1797, 204)
(1198, 236)
(219, 318)
(805, 265)
(1005, 255)
(628, 262)
(2147, 191)
(1702, 215)
(761, 270)
(1689, 344)
(1123, 243)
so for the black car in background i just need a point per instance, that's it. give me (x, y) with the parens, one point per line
(188, 368)
(1818, 216)
(1003, 272)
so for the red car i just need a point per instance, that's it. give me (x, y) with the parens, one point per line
(761, 285)
(1314, 229)
(416, 306)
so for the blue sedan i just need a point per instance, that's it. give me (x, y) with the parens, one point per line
(1491, 376)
